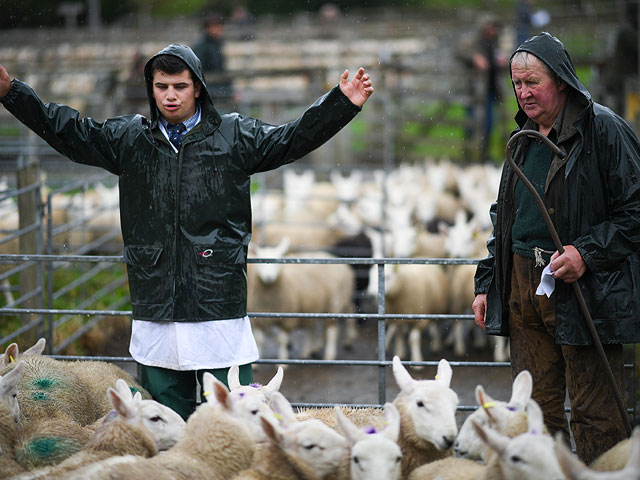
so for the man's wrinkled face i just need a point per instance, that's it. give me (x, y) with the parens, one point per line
(175, 95)
(539, 95)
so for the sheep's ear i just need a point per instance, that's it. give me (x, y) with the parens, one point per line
(137, 397)
(522, 389)
(486, 402)
(222, 395)
(571, 466)
(351, 432)
(10, 379)
(392, 416)
(233, 377)
(122, 387)
(275, 383)
(402, 376)
(535, 419)
(283, 246)
(209, 382)
(120, 404)
(444, 373)
(10, 354)
(283, 409)
(37, 348)
(493, 439)
(271, 430)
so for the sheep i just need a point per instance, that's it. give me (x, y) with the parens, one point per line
(375, 455)
(615, 458)
(251, 402)
(360, 417)
(507, 418)
(305, 288)
(528, 456)
(135, 426)
(71, 389)
(12, 352)
(411, 289)
(625, 467)
(9, 415)
(427, 412)
(298, 450)
(215, 446)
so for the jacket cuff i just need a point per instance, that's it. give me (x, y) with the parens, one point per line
(11, 95)
(341, 97)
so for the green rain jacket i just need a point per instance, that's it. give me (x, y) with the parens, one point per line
(186, 216)
(593, 197)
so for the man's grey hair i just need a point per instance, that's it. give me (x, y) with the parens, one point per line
(524, 59)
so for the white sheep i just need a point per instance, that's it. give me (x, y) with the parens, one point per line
(375, 454)
(528, 456)
(304, 288)
(298, 450)
(427, 411)
(250, 402)
(507, 418)
(134, 427)
(215, 445)
(625, 466)
(9, 390)
(12, 352)
(411, 289)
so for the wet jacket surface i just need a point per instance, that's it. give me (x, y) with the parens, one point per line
(185, 216)
(593, 198)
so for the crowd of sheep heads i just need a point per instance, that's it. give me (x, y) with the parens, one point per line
(253, 432)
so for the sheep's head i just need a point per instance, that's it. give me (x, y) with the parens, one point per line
(9, 389)
(311, 445)
(375, 455)
(164, 425)
(530, 455)
(498, 415)
(268, 272)
(430, 404)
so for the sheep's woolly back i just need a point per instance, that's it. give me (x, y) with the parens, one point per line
(114, 437)
(215, 446)
(360, 417)
(450, 468)
(46, 442)
(8, 432)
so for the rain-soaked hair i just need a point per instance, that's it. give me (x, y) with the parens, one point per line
(172, 65)
(524, 58)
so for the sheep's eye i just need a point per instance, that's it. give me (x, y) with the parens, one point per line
(310, 446)
(356, 460)
(157, 418)
(420, 404)
(398, 459)
(516, 459)
(254, 412)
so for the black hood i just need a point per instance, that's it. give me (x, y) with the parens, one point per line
(184, 53)
(552, 52)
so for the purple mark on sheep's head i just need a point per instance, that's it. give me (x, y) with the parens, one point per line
(241, 394)
(255, 385)
(370, 430)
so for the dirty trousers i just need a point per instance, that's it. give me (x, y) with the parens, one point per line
(595, 420)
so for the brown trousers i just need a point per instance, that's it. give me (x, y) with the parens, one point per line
(595, 420)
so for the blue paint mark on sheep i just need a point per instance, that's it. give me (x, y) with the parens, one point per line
(44, 383)
(45, 448)
(39, 396)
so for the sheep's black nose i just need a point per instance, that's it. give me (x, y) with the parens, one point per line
(448, 441)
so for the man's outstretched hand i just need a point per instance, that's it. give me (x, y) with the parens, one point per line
(5, 81)
(359, 89)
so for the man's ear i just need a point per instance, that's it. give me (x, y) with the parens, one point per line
(197, 89)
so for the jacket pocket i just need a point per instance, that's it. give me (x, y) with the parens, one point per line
(146, 273)
(220, 274)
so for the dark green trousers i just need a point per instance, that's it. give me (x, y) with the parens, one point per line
(178, 390)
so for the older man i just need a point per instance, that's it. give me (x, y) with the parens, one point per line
(593, 198)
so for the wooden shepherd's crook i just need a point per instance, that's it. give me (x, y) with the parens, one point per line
(558, 245)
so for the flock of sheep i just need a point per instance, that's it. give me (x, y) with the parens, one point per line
(82, 420)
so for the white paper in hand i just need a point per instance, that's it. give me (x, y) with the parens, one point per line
(547, 282)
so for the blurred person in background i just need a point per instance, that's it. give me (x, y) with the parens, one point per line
(184, 176)
(210, 50)
(483, 63)
(593, 198)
